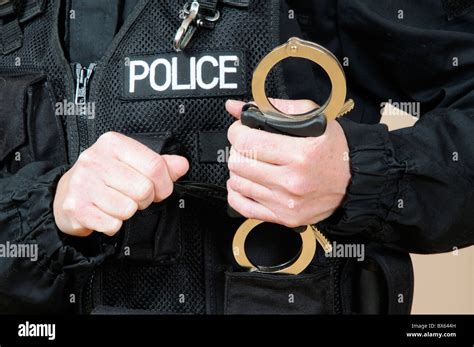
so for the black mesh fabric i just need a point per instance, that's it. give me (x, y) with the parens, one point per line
(176, 288)
(157, 287)
(152, 286)
(37, 53)
(249, 30)
(29, 56)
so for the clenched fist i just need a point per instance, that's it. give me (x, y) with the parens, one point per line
(286, 180)
(111, 181)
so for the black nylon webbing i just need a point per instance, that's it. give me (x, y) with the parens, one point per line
(209, 6)
(31, 8)
(12, 36)
(8, 8)
(398, 272)
(236, 3)
(12, 13)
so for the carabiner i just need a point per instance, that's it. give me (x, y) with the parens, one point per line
(187, 29)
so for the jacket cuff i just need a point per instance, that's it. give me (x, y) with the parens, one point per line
(54, 247)
(374, 185)
(44, 282)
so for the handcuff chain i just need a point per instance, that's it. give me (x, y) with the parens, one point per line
(336, 105)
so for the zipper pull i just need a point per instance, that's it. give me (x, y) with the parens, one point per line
(83, 75)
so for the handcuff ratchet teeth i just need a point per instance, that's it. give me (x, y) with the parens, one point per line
(265, 116)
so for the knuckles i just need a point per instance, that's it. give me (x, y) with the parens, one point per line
(109, 139)
(156, 167)
(87, 158)
(301, 159)
(241, 140)
(114, 227)
(166, 191)
(69, 205)
(130, 210)
(298, 185)
(144, 190)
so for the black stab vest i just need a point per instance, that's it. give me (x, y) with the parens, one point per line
(176, 256)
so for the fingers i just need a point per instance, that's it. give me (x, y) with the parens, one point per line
(249, 189)
(114, 203)
(145, 161)
(262, 145)
(111, 181)
(234, 107)
(129, 182)
(92, 218)
(265, 174)
(248, 207)
(177, 166)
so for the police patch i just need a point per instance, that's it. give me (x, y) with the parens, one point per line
(184, 75)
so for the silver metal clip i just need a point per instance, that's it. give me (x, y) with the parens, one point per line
(191, 22)
(187, 29)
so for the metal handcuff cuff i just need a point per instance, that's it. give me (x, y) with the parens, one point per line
(266, 117)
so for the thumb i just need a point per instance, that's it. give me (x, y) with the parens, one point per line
(234, 107)
(177, 166)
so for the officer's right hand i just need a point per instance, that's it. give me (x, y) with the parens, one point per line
(111, 181)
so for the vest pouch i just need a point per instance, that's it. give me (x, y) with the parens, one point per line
(257, 293)
(153, 235)
(29, 129)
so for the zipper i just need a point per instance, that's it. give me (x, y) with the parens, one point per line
(83, 77)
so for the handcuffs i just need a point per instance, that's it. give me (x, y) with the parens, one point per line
(266, 117)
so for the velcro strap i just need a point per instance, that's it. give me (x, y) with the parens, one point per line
(31, 8)
(8, 7)
(208, 7)
(236, 3)
(398, 272)
(12, 37)
(12, 13)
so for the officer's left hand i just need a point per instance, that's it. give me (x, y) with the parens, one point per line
(286, 180)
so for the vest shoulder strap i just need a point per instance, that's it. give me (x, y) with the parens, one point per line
(12, 14)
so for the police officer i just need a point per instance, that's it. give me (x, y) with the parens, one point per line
(121, 195)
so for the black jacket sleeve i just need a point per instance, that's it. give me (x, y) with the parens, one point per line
(412, 187)
(43, 281)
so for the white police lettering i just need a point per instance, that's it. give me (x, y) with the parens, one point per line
(133, 76)
(167, 74)
(200, 63)
(227, 70)
(176, 85)
(183, 75)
